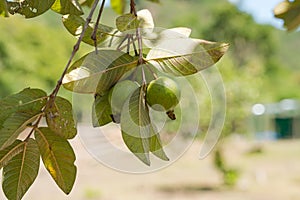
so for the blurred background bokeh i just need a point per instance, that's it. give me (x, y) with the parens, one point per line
(257, 156)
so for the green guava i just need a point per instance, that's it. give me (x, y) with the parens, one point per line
(163, 94)
(118, 94)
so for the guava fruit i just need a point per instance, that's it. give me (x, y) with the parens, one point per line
(118, 94)
(163, 94)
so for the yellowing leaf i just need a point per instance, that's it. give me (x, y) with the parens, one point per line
(289, 11)
(60, 119)
(58, 158)
(67, 7)
(21, 171)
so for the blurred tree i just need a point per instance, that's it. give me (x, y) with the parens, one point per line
(248, 39)
(25, 52)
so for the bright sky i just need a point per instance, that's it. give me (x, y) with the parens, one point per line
(262, 10)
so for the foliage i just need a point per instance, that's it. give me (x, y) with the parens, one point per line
(95, 73)
(247, 42)
(20, 159)
(289, 11)
(252, 57)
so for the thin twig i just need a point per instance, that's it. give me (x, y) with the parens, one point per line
(132, 7)
(94, 35)
(55, 91)
(34, 126)
(138, 33)
(75, 49)
(140, 46)
(133, 44)
(123, 40)
(139, 39)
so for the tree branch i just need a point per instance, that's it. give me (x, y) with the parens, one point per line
(55, 91)
(75, 49)
(94, 35)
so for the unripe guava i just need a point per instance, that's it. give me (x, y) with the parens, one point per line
(119, 93)
(163, 94)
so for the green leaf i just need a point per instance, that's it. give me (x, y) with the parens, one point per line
(289, 11)
(9, 152)
(138, 146)
(74, 24)
(135, 125)
(101, 113)
(14, 125)
(3, 8)
(127, 22)
(156, 145)
(97, 73)
(67, 7)
(18, 111)
(27, 99)
(185, 56)
(58, 158)
(21, 171)
(60, 119)
(29, 8)
(118, 6)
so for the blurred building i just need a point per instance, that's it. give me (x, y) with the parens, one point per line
(277, 120)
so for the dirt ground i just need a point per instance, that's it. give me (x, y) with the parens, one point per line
(273, 174)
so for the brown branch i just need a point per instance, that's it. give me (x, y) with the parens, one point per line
(94, 35)
(75, 49)
(55, 91)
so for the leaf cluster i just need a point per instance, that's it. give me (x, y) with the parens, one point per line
(34, 8)
(133, 50)
(169, 51)
(20, 157)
